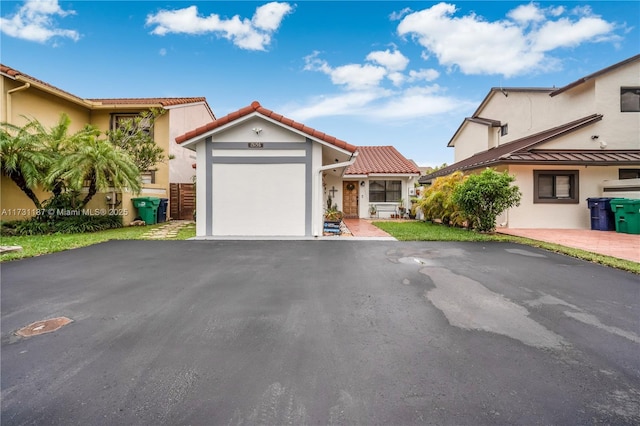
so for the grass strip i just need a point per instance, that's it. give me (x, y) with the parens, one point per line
(426, 231)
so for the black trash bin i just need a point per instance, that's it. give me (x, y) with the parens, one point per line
(162, 210)
(602, 217)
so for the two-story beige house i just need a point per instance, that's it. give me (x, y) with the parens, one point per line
(25, 96)
(564, 145)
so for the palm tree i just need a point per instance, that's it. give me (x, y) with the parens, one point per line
(98, 162)
(23, 158)
(57, 143)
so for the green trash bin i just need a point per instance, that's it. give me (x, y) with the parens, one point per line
(147, 208)
(627, 212)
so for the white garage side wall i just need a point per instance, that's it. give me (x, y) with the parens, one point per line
(557, 216)
(317, 212)
(202, 164)
(258, 199)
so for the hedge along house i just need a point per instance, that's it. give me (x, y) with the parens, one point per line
(260, 174)
(380, 177)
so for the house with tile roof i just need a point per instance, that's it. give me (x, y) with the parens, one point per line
(265, 175)
(24, 96)
(381, 178)
(564, 145)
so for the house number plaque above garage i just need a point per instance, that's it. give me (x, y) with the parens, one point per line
(255, 145)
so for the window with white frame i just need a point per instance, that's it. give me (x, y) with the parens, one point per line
(555, 186)
(381, 191)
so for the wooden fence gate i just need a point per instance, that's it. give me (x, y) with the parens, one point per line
(182, 201)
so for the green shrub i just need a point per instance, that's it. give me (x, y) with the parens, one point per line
(484, 196)
(33, 226)
(437, 202)
(61, 225)
(83, 223)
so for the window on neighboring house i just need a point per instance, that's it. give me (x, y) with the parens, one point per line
(148, 176)
(630, 99)
(555, 186)
(628, 173)
(385, 191)
(118, 120)
(504, 130)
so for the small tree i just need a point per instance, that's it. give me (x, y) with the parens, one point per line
(135, 136)
(99, 163)
(484, 196)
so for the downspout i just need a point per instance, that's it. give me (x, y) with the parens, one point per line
(9, 93)
(319, 180)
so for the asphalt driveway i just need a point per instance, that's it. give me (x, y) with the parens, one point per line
(319, 332)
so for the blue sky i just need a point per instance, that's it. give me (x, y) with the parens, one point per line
(401, 73)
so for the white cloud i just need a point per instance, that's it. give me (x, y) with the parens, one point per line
(396, 16)
(556, 11)
(518, 44)
(423, 74)
(249, 34)
(269, 16)
(363, 76)
(564, 33)
(401, 106)
(393, 61)
(350, 103)
(34, 21)
(417, 102)
(526, 13)
(365, 95)
(351, 76)
(397, 78)
(357, 77)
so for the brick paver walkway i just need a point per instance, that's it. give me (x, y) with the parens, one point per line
(609, 243)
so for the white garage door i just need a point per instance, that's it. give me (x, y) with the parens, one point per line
(258, 199)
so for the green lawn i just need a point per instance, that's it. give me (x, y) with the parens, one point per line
(425, 231)
(44, 244)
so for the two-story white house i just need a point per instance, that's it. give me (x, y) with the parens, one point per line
(564, 145)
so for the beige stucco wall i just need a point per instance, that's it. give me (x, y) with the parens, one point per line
(473, 138)
(524, 111)
(14, 204)
(17, 108)
(567, 216)
(35, 103)
(184, 118)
